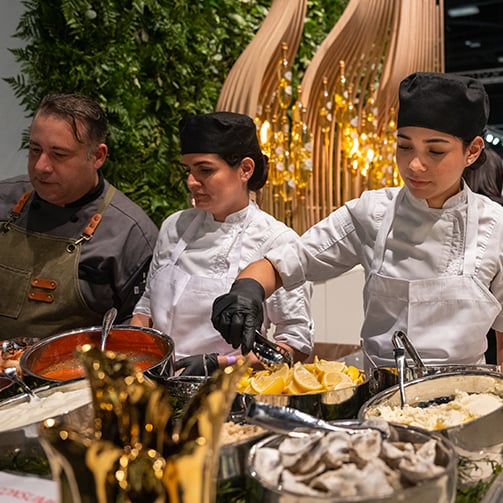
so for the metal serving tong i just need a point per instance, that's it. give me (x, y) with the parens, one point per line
(269, 353)
(401, 364)
(290, 421)
(411, 350)
(12, 374)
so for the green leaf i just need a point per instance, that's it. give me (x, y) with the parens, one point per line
(147, 62)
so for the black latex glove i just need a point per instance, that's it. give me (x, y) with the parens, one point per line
(195, 365)
(237, 314)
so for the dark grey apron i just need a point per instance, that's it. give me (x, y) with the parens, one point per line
(40, 294)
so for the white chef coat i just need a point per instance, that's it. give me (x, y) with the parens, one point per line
(421, 243)
(204, 269)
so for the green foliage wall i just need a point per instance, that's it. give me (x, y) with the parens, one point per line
(148, 62)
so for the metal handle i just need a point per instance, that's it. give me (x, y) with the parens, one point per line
(11, 373)
(401, 363)
(108, 320)
(268, 353)
(289, 421)
(411, 350)
(367, 355)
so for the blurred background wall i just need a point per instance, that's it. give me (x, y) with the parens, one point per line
(12, 120)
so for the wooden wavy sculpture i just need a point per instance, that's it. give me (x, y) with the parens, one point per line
(253, 79)
(379, 42)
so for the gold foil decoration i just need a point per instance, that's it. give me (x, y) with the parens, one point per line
(286, 139)
(130, 448)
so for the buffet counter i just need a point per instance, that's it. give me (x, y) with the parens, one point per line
(24, 485)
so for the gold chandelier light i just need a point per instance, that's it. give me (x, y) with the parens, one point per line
(338, 137)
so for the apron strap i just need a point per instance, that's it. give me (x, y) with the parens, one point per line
(16, 211)
(472, 220)
(187, 236)
(21, 203)
(236, 252)
(94, 221)
(382, 233)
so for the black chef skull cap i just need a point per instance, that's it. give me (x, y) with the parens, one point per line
(449, 103)
(224, 133)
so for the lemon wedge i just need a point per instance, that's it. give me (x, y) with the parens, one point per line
(283, 370)
(336, 380)
(354, 373)
(267, 384)
(305, 380)
(330, 366)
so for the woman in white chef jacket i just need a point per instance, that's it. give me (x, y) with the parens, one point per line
(432, 250)
(201, 250)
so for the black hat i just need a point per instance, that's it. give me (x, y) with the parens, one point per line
(224, 133)
(448, 103)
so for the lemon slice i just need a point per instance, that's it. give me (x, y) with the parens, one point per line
(267, 384)
(353, 372)
(292, 389)
(334, 380)
(311, 367)
(282, 370)
(330, 366)
(305, 380)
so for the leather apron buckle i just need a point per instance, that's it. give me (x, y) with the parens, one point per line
(41, 290)
(41, 296)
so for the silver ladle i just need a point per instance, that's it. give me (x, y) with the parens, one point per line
(108, 320)
(288, 421)
(270, 354)
(11, 373)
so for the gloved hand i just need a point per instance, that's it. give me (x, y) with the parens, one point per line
(198, 365)
(237, 314)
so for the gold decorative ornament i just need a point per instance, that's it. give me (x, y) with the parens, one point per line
(132, 447)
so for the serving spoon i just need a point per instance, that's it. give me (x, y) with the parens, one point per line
(108, 320)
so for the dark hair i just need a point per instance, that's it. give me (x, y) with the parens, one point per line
(259, 177)
(487, 178)
(77, 109)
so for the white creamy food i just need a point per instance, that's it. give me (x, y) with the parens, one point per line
(18, 415)
(463, 408)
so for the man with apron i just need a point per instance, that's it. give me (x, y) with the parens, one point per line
(432, 251)
(200, 251)
(71, 245)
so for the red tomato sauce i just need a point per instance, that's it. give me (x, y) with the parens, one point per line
(71, 369)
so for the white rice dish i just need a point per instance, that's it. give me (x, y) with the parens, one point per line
(19, 415)
(463, 408)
